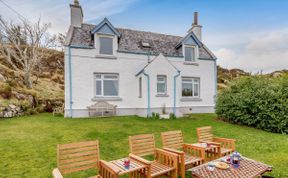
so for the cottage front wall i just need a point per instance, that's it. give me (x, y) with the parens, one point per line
(86, 62)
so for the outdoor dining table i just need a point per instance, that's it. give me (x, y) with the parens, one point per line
(134, 168)
(248, 169)
(212, 152)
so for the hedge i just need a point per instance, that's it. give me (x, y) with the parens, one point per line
(256, 101)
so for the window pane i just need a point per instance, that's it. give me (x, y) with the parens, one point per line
(161, 88)
(106, 45)
(192, 54)
(187, 89)
(187, 80)
(110, 76)
(98, 76)
(159, 79)
(110, 87)
(98, 87)
(189, 54)
(196, 89)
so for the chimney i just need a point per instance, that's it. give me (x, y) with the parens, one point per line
(76, 14)
(196, 28)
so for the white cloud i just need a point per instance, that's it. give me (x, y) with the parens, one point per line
(58, 12)
(266, 51)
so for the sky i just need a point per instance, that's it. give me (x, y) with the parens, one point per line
(247, 34)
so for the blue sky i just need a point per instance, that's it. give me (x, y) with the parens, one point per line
(247, 34)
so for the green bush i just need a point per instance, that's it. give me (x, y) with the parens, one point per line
(256, 101)
(5, 91)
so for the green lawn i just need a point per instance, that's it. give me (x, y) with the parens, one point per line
(28, 144)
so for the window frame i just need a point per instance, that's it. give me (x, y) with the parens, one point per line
(193, 83)
(195, 48)
(102, 79)
(109, 37)
(161, 82)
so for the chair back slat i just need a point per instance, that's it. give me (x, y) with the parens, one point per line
(142, 145)
(172, 139)
(205, 134)
(78, 156)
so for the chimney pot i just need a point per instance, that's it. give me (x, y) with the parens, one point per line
(195, 18)
(76, 3)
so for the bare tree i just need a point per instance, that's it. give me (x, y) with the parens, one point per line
(23, 46)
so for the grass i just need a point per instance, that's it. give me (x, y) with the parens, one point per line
(28, 144)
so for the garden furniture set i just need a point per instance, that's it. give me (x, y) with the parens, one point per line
(145, 160)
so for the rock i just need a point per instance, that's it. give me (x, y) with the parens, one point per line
(2, 78)
(12, 106)
(19, 96)
(30, 99)
(8, 114)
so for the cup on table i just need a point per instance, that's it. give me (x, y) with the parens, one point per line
(211, 166)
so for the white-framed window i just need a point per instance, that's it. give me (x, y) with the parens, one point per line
(161, 84)
(106, 85)
(106, 45)
(190, 53)
(190, 87)
(140, 87)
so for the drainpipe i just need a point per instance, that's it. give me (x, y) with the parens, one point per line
(148, 88)
(174, 102)
(70, 81)
(215, 70)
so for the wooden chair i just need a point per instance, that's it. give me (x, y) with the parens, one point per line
(205, 135)
(188, 155)
(81, 156)
(164, 164)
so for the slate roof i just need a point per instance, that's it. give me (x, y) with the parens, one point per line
(130, 41)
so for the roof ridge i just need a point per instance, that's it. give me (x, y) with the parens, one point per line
(158, 33)
(124, 28)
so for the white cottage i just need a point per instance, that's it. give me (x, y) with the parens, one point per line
(139, 72)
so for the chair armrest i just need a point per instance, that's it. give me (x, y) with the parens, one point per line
(167, 158)
(178, 152)
(194, 150)
(225, 142)
(106, 168)
(211, 143)
(139, 159)
(56, 173)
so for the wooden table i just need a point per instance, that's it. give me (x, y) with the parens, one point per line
(134, 169)
(212, 152)
(248, 169)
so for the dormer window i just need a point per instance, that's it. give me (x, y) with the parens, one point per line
(190, 53)
(106, 45)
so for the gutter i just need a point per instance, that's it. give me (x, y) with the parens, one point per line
(148, 92)
(174, 94)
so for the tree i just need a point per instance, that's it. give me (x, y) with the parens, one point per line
(23, 45)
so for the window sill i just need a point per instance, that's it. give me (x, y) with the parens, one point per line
(107, 98)
(161, 95)
(191, 63)
(106, 56)
(190, 99)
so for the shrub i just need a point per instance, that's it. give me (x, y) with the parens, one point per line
(155, 116)
(172, 116)
(5, 91)
(256, 101)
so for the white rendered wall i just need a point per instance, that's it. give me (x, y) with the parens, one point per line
(85, 63)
